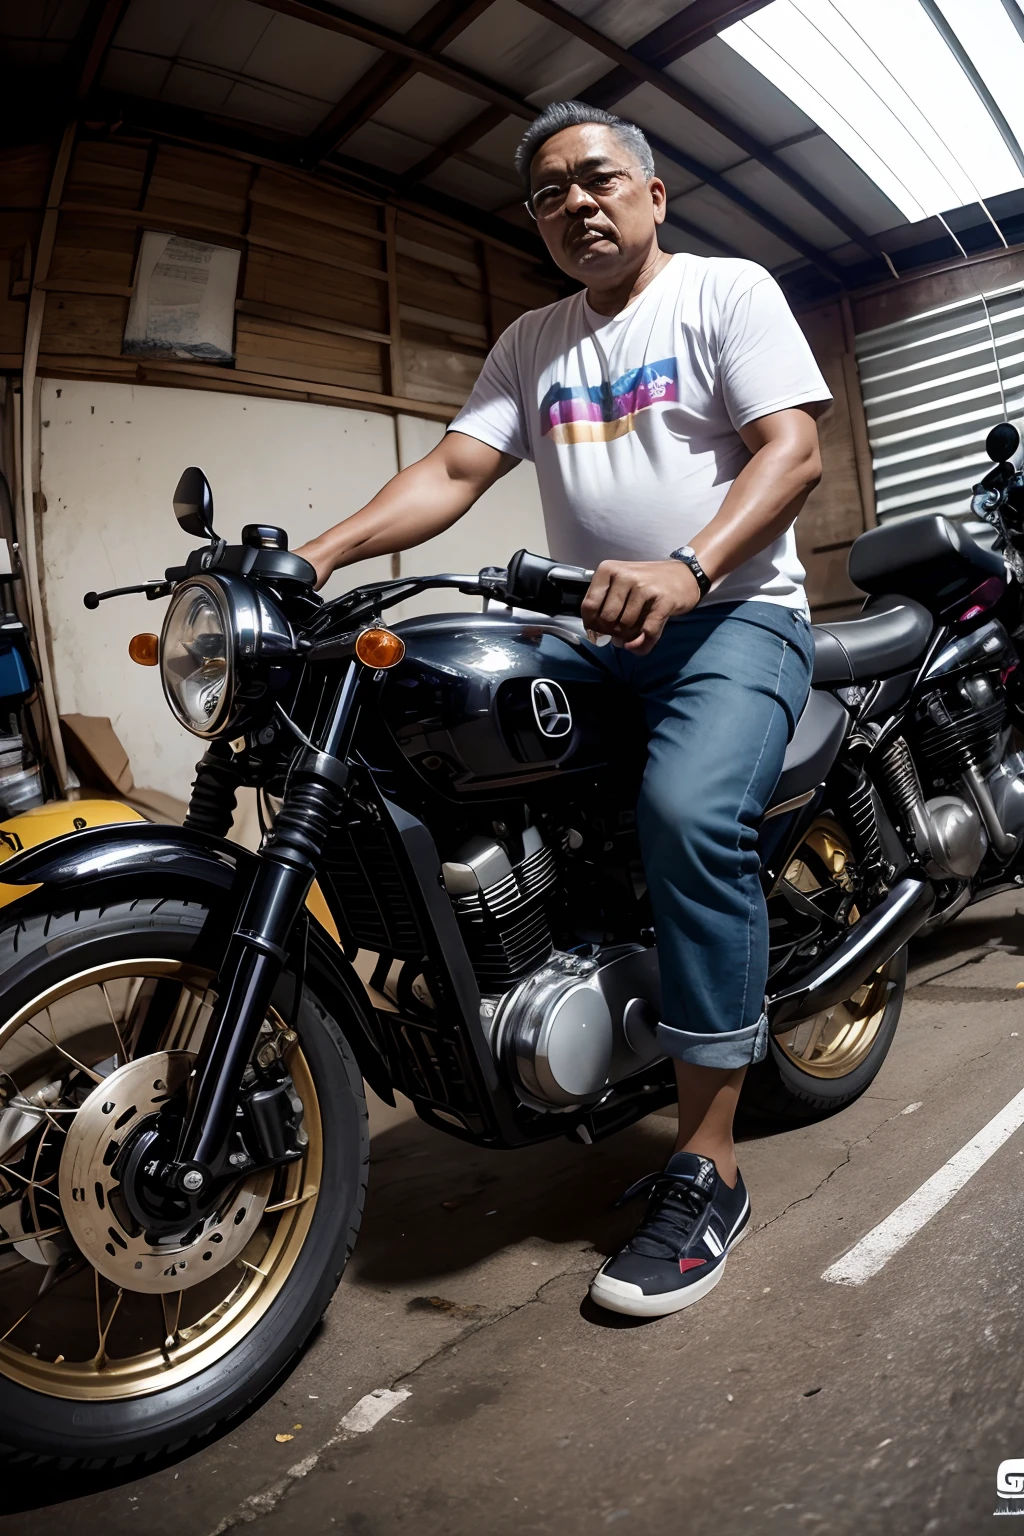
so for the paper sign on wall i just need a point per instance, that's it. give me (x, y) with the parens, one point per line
(183, 304)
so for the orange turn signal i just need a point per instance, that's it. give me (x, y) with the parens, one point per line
(144, 649)
(380, 648)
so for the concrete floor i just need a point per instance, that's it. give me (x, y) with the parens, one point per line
(780, 1404)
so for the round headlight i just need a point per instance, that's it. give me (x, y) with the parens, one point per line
(197, 658)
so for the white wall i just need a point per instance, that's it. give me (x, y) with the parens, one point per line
(111, 457)
(507, 518)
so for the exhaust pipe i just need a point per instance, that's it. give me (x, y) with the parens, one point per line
(873, 941)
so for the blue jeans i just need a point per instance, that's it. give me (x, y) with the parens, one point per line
(722, 692)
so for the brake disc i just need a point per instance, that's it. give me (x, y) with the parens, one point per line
(99, 1221)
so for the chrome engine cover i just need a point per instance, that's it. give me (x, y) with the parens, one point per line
(955, 836)
(1006, 786)
(579, 1024)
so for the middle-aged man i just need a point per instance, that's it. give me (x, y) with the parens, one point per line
(670, 411)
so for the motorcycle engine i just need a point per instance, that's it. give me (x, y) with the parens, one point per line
(565, 1026)
(961, 740)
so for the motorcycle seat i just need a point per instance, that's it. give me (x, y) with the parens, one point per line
(820, 732)
(889, 636)
(920, 555)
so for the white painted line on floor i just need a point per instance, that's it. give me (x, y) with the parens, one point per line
(875, 1250)
(369, 1410)
(367, 1413)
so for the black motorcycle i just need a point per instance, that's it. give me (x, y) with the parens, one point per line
(185, 1035)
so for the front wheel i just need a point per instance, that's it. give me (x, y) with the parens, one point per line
(823, 1063)
(116, 1344)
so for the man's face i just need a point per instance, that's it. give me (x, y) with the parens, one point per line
(596, 212)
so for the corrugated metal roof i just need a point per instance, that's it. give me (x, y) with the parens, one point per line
(39, 36)
(400, 86)
(720, 76)
(529, 56)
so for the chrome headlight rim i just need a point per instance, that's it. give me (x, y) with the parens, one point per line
(216, 591)
(258, 641)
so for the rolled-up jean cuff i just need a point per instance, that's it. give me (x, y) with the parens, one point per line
(731, 1048)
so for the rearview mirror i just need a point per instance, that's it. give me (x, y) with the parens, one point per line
(1003, 445)
(193, 504)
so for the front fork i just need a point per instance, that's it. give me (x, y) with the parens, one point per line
(257, 954)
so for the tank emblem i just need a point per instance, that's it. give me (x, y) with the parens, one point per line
(550, 707)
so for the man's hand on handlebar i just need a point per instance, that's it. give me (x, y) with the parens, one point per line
(633, 600)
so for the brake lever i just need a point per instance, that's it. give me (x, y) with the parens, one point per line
(152, 589)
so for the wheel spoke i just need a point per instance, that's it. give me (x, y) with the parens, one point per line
(170, 1302)
(46, 1286)
(31, 1237)
(820, 1025)
(52, 1040)
(35, 1169)
(120, 1040)
(16, 1325)
(287, 1205)
(103, 1329)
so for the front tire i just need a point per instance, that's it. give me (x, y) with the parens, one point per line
(171, 1367)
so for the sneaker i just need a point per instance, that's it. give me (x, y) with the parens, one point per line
(678, 1252)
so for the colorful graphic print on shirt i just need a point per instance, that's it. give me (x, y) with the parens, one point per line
(599, 412)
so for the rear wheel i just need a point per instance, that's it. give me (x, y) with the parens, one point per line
(823, 1063)
(115, 1344)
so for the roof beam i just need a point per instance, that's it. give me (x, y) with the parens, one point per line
(696, 233)
(321, 13)
(434, 31)
(471, 134)
(697, 24)
(767, 220)
(981, 90)
(658, 39)
(188, 126)
(681, 34)
(640, 70)
(102, 21)
(318, 13)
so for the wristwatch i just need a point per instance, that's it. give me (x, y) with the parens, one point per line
(688, 557)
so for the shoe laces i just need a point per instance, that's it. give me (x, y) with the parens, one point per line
(675, 1205)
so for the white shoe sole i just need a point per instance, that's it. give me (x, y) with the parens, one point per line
(629, 1300)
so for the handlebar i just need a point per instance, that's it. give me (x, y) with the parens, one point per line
(547, 586)
(530, 581)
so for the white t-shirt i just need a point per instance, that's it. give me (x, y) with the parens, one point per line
(632, 419)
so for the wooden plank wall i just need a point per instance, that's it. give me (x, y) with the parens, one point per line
(842, 506)
(341, 299)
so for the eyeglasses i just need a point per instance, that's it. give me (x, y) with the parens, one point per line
(548, 202)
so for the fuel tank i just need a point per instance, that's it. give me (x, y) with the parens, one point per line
(484, 703)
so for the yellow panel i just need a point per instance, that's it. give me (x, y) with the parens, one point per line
(320, 910)
(45, 822)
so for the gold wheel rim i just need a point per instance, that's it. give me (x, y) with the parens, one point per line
(83, 1337)
(835, 1042)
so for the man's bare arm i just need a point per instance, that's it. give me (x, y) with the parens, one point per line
(634, 599)
(768, 492)
(416, 504)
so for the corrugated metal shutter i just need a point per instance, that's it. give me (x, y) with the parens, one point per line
(931, 393)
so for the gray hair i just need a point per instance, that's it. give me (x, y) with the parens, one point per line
(576, 114)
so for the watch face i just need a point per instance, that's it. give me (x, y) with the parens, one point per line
(688, 558)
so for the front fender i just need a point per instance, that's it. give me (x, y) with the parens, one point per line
(101, 860)
(102, 864)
